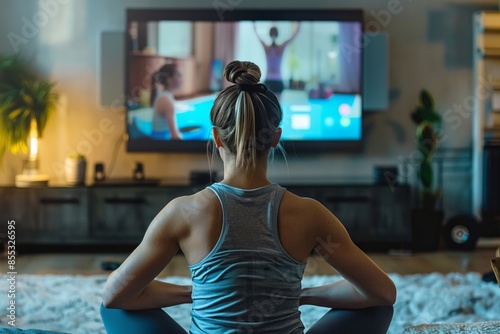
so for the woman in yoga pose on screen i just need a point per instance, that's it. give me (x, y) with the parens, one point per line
(274, 56)
(246, 241)
(163, 84)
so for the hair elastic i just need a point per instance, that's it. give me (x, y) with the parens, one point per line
(252, 88)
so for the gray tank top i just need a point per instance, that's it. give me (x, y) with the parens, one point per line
(247, 283)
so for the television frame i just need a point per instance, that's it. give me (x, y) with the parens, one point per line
(147, 145)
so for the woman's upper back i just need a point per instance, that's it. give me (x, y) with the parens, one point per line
(239, 262)
(203, 214)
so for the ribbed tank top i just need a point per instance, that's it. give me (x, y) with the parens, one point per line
(248, 283)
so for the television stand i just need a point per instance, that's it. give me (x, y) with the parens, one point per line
(117, 213)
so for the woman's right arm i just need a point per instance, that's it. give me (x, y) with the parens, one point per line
(365, 284)
(133, 286)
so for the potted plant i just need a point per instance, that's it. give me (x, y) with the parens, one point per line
(426, 219)
(25, 106)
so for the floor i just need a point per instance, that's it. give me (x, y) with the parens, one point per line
(401, 263)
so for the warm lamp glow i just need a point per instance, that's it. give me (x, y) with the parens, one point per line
(33, 148)
(33, 140)
(30, 176)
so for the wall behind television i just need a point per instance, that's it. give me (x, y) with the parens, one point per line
(429, 48)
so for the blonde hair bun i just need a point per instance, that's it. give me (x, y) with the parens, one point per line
(242, 72)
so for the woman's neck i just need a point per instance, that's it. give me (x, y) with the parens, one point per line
(246, 183)
(253, 178)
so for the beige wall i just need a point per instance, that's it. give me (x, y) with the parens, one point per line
(66, 49)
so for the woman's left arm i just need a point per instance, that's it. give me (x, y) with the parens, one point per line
(133, 286)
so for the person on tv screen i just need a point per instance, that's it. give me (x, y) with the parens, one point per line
(247, 241)
(163, 84)
(274, 56)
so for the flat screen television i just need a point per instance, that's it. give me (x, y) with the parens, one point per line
(311, 59)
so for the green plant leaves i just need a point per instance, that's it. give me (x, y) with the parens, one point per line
(427, 139)
(422, 114)
(426, 99)
(22, 97)
(426, 118)
(426, 174)
(425, 112)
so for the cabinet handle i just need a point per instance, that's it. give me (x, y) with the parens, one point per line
(125, 201)
(59, 201)
(348, 199)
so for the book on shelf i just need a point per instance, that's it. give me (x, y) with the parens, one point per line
(489, 41)
(495, 119)
(489, 21)
(495, 100)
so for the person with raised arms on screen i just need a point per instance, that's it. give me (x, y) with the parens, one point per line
(246, 241)
(163, 84)
(274, 56)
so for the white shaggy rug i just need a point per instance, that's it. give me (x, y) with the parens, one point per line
(71, 303)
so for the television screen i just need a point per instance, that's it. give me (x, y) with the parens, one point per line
(311, 60)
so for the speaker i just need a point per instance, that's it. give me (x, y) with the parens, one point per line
(491, 189)
(461, 232)
(490, 226)
(112, 68)
(376, 72)
(138, 172)
(99, 172)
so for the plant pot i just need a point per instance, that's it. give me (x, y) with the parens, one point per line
(75, 171)
(426, 226)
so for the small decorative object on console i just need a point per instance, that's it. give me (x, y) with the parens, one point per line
(138, 173)
(75, 167)
(99, 172)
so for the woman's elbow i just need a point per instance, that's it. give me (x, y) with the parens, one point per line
(109, 300)
(108, 304)
(389, 297)
(110, 296)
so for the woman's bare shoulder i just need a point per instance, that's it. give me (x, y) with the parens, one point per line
(164, 102)
(303, 209)
(295, 202)
(201, 203)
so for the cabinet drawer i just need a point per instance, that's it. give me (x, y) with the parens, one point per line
(19, 204)
(125, 214)
(63, 213)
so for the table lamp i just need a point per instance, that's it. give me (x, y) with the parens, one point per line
(30, 176)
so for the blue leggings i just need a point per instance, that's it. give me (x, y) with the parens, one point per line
(373, 320)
